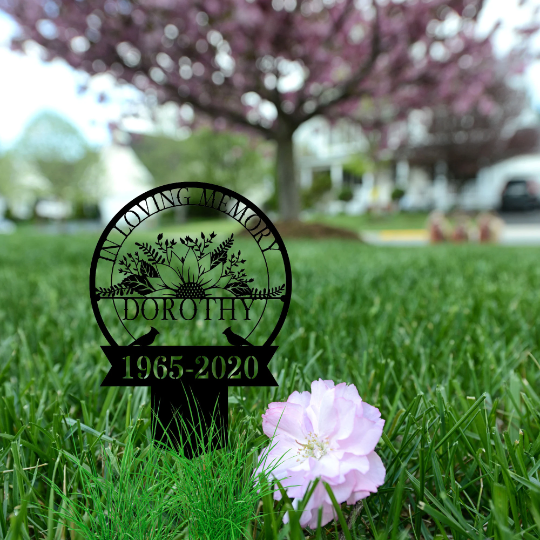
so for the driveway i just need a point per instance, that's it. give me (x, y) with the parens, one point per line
(521, 218)
(520, 229)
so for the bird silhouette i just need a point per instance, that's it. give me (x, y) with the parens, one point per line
(147, 339)
(235, 339)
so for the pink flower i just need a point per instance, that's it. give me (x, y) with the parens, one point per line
(330, 433)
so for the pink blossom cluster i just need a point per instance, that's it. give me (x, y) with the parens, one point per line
(236, 60)
(329, 434)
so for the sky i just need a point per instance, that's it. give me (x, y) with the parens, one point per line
(30, 85)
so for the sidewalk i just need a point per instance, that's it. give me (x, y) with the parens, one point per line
(512, 235)
(521, 235)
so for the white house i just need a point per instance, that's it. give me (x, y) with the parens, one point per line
(321, 147)
(119, 177)
(30, 185)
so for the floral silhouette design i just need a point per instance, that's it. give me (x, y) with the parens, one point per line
(199, 273)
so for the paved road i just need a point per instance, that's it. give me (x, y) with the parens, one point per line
(521, 218)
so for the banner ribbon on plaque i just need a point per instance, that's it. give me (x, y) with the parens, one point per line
(220, 365)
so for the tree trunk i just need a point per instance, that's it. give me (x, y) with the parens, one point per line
(287, 183)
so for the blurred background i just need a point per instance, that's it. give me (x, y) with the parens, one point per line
(402, 121)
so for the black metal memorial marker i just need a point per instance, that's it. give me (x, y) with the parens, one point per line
(188, 314)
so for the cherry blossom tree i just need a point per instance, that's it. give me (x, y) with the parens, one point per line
(271, 65)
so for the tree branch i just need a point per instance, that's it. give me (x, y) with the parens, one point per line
(338, 23)
(347, 89)
(216, 111)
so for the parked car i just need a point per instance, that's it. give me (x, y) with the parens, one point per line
(520, 194)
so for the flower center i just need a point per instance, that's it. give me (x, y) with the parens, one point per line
(190, 289)
(314, 447)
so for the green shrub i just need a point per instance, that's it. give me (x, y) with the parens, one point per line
(358, 166)
(346, 194)
(320, 185)
(397, 193)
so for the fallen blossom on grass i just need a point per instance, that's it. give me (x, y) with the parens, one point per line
(329, 434)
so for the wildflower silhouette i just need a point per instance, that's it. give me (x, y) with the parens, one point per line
(198, 273)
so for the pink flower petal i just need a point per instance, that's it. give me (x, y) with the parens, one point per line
(318, 390)
(364, 437)
(348, 391)
(328, 415)
(356, 496)
(328, 467)
(370, 412)
(346, 413)
(344, 489)
(319, 499)
(300, 398)
(352, 462)
(286, 420)
(374, 477)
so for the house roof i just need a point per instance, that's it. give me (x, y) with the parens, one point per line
(120, 171)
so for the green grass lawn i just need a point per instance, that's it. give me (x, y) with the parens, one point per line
(376, 222)
(442, 339)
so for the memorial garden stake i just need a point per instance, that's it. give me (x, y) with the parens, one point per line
(189, 315)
